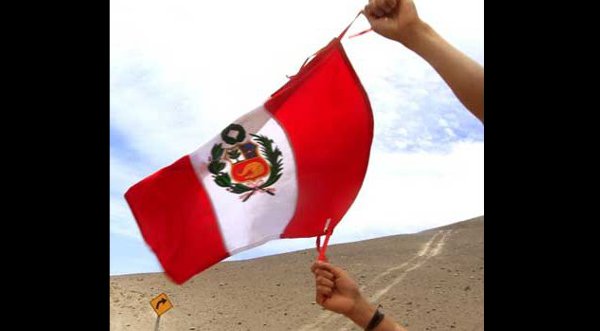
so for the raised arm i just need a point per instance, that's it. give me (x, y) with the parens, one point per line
(398, 20)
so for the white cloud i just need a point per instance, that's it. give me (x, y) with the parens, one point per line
(407, 192)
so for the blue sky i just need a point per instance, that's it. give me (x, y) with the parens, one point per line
(181, 71)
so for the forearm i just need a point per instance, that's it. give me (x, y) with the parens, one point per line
(363, 312)
(461, 73)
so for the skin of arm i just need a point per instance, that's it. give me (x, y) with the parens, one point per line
(338, 292)
(398, 20)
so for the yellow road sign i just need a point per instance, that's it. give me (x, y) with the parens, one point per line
(161, 304)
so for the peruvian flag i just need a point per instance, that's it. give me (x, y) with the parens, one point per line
(280, 171)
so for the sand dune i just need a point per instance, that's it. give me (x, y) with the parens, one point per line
(432, 280)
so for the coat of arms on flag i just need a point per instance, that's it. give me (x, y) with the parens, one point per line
(248, 165)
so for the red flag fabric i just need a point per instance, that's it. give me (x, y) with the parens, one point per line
(280, 171)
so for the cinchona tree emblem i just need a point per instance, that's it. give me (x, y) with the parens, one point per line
(245, 166)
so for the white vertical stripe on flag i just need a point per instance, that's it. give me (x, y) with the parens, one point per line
(262, 217)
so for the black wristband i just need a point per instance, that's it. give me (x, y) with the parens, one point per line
(377, 318)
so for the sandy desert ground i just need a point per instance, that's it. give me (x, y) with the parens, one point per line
(431, 280)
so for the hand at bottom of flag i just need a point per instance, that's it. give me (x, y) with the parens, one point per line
(336, 290)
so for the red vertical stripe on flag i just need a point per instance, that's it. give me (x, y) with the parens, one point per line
(177, 220)
(327, 116)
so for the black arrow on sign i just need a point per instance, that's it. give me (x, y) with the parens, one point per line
(163, 300)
